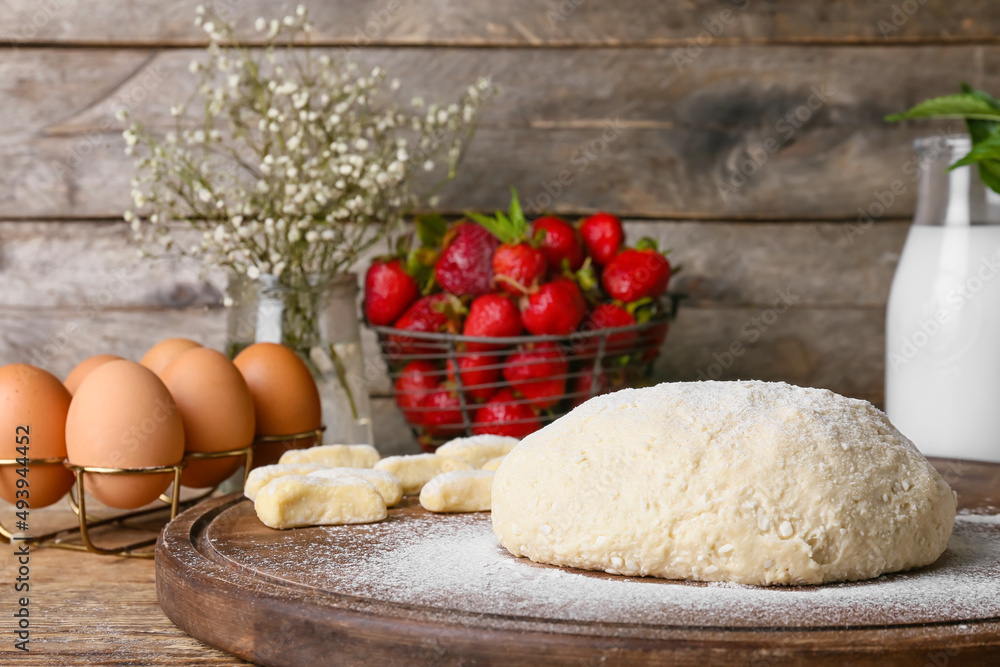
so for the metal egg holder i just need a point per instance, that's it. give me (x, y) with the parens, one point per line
(59, 539)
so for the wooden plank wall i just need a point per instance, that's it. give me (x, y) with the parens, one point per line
(647, 108)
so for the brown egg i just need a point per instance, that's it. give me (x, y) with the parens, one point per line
(158, 357)
(37, 401)
(84, 368)
(122, 416)
(217, 411)
(285, 397)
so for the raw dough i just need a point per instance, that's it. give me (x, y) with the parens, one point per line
(415, 470)
(334, 456)
(493, 464)
(303, 500)
(478, 449)
(751, 482)
(258, 477)
(458, 491)
(386, 483)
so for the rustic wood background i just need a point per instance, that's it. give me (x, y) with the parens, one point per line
(647, 105)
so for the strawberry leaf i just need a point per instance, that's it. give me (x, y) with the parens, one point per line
(431, 229)
(646, 243)
(516, 214)
(420, 265)
(509, 228)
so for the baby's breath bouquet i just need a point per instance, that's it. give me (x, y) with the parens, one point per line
(289, 162)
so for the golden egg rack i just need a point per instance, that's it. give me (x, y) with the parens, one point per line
(172, 504)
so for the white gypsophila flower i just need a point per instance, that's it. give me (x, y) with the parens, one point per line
(285, 154)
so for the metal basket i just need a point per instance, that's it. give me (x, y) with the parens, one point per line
(597, 362)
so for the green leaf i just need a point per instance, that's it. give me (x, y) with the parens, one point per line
(516, 214)
(647, 243)
(511, 228)
(964, 105)
(989, 172)
(492, 224)
(431, 229)
(980, 94)
(987, 149)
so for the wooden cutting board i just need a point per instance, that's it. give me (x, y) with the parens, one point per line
(423, 589)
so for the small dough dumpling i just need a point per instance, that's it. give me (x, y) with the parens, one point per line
(493, 464)
(258, 477)
(415, 470)
(386, 483)
(478, 449)
(458, 491)
(293, 501)
(334, 456)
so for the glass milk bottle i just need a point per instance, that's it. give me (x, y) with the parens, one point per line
(942, 387)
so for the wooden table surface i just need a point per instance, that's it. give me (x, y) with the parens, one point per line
(87, 609)
(99, 610)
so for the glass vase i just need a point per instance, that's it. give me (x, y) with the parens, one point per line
(943, 323)
(318, 319)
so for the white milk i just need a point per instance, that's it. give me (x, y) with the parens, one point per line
(943, 341)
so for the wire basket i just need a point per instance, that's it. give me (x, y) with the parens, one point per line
(472, 369)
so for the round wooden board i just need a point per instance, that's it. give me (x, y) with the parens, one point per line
(430, 589)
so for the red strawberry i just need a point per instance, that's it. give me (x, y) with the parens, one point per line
(389, 291)
(539, 373)
(583, 388)
(431, 314)
(478, 374)
(466, 263)
(603, 234)
(518, 265)
(504, 414)
(559, 241)
(652, 340)
(442, 414)
(518, 268)
(415, 382)
(492, 315)
(637, 273)
(609, 316)
(556, 308)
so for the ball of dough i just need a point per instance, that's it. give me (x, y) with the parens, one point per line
(750, 482)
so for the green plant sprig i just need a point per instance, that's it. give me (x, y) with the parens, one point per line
(981, 113)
